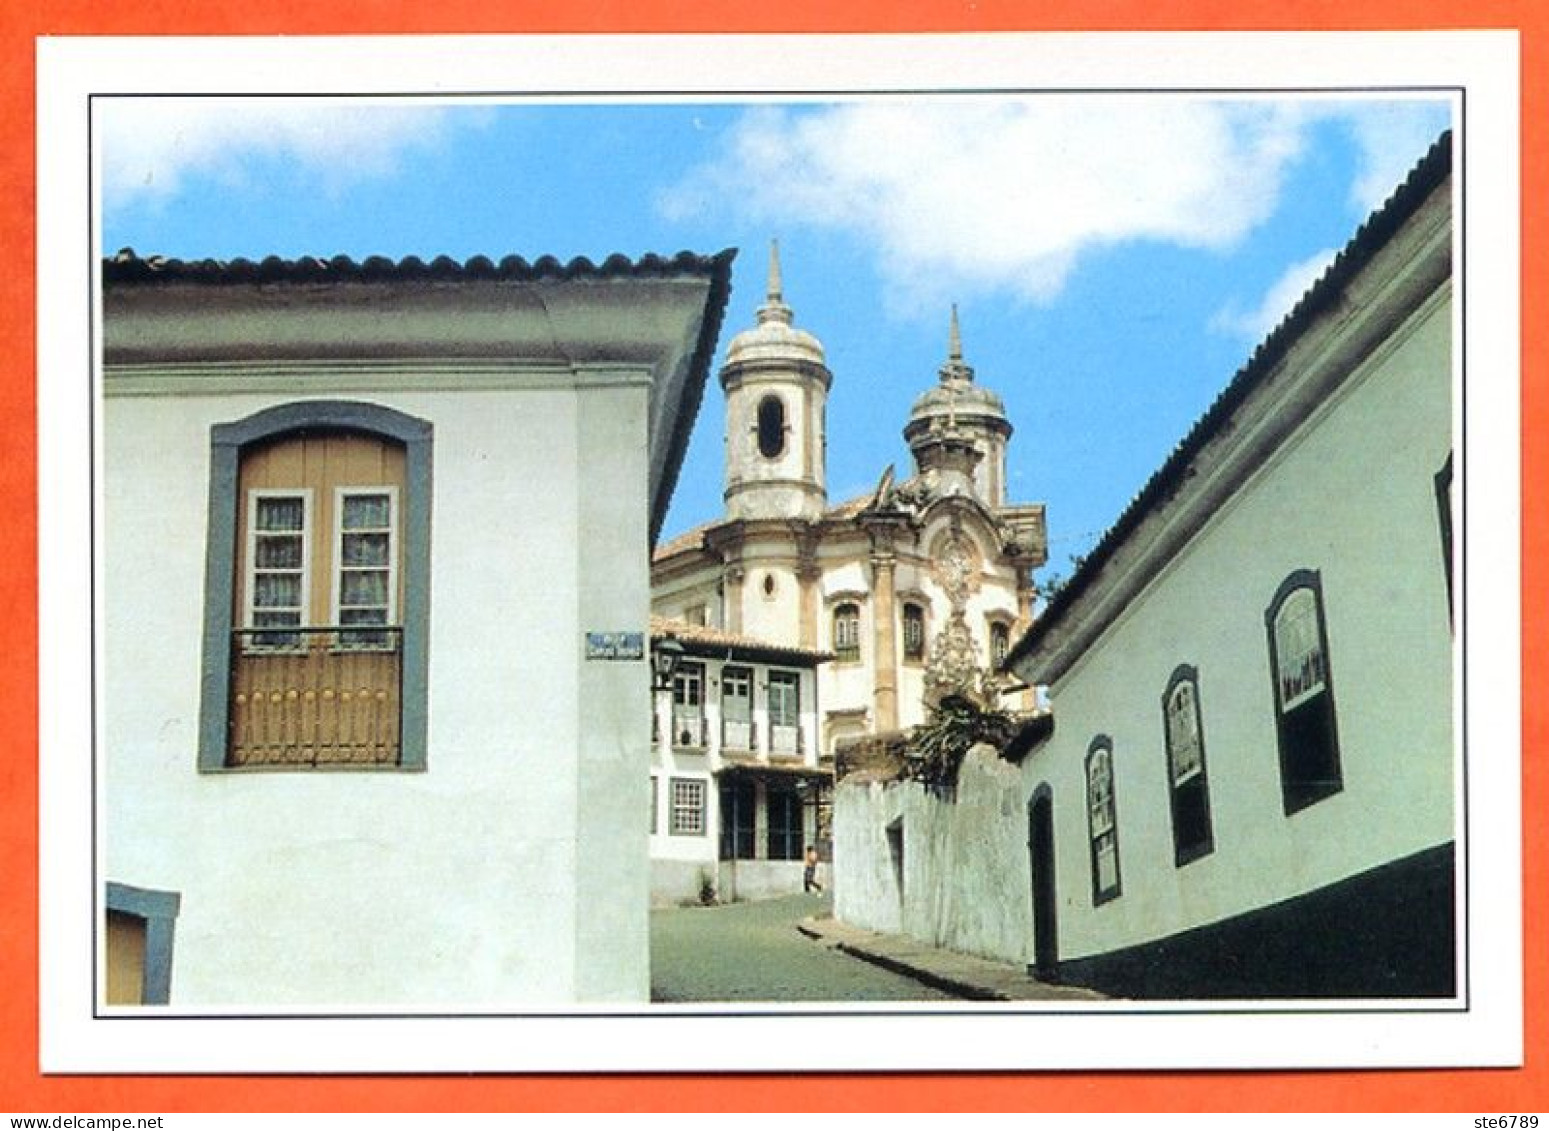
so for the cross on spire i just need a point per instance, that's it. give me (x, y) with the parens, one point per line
(955, 369)
(774, 308)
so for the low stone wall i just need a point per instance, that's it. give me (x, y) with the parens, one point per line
(761, 879)
(676, 882)
(952, 873)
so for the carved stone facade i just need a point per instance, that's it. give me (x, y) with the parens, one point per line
(911, 587)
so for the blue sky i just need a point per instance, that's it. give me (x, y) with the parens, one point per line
(1115, 259)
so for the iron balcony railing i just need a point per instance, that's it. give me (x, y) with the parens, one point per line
(316, 695)
(739, 734)
(785, 739)
(689, 731)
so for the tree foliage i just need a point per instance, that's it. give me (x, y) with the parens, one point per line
(955, 726)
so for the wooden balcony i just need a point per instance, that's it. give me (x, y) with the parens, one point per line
(327, 696)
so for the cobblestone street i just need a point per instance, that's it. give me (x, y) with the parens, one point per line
(753, 952)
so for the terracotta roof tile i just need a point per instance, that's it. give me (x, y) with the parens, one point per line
(129, 267)
(689, 540)
(706, 638)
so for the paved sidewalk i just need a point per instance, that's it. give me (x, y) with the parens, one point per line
(963, 975)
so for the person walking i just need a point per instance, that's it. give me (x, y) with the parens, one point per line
(810, 876)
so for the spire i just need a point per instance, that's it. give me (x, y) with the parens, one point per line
(955, 369)
(774, 308)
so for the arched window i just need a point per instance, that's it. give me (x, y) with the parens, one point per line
(1102, 820)
(1305, 725)
(847, 631)
(914, 631)
(317, 584)
(1000, 643)
(771, 427)
(1188, 784)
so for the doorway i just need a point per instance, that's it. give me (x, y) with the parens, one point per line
(1040, 851)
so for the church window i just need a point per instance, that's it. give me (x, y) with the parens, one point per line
(688, 807)
(1187, 782)
(317, 589)
(914, 632)
(1102, 820)
(1305, 724)
(1000, 643)
(769, 585)
(771, 427)
(847, 632)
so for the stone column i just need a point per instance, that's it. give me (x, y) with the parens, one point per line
(1026, 592)
(884, 646)
(732, 586)
(809, 575)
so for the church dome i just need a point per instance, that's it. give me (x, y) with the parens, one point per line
(956, 399)
(774, 339)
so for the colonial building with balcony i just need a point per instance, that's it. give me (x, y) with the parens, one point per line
(739, 789)
(915, 588)
(352, 753)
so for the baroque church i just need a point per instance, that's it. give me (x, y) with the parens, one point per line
(906, 594)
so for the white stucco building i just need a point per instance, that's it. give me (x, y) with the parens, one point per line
(371, 730)
(1249, 787)
(737, 790)
(915, 589)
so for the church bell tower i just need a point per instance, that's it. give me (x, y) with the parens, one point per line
(776, 382)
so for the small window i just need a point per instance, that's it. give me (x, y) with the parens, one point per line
(784, 713)
(365, 588)
(1187, 781)
(736, 708)
(771, 427)
(279, 550)
(688, 705)
(654, 803)
(914, 632)
(697, 615)
(688, 807)
(1000, 643)
(1102, 819)
(847, 632)
(1305, 725)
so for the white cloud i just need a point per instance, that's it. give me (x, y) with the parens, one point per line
(966, 195)
(149, 146)
(1278, 301)
(972, 195)
(1392, 136)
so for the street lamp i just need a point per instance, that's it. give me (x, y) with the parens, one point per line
(665, 655)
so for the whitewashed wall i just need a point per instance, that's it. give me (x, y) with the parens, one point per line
(514, 868)
(965, 869)
(1353, 496)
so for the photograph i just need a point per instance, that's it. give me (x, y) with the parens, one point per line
(961, 552)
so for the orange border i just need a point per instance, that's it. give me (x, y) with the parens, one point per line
(22, 1089)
